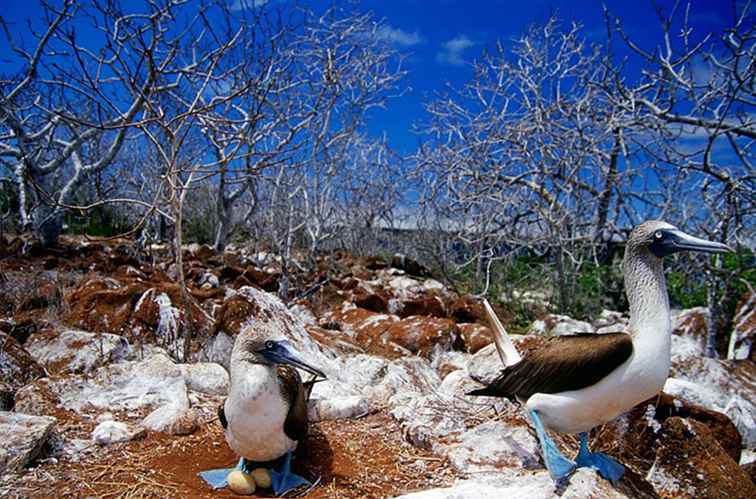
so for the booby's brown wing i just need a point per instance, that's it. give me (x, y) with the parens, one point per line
(564, 363)
(222, 415)
(294, 393)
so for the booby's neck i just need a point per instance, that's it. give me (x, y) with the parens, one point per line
(248, 377)
(646, 291)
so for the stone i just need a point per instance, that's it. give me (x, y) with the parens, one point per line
(634, 436)
(412, 267)
(493, 446)
(690, 464)
(446, 362)
(465, 309)
(689, 332)
(23, 438)
(131, 385)
(422, 305)
(110, 432)
(417, 335)
(345, 407)
(425, 418)
(740, 346)
(72, 351)
(173, 419)
(217, 349)
(720, 385)
(208, 280)
(559, 325)
(17, 366)
(205, 377)
(584, 483)
(369, 300)
(608, 318)
(407, 375)
(476, 336)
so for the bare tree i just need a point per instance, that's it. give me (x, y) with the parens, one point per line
(696, 94)
(526, 154)
(65, 116)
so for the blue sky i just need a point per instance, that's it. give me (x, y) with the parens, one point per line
(442, 37)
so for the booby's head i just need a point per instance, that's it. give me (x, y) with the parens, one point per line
(271, 352)
(662, 239)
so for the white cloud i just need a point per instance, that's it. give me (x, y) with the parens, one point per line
(398, 36)
(246, 4)
(452, 50)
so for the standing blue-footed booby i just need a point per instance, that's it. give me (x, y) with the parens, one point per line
(575, 383)
(265, 413)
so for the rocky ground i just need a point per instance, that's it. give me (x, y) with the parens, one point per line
(95, 402)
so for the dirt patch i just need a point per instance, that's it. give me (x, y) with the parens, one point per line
(346, 459)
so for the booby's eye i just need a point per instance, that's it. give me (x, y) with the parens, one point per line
(658, 234)
(269, 345)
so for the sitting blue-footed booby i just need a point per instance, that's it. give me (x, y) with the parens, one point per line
(577, 382)
(265, 413)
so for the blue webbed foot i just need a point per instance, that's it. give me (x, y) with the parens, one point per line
(605, 465)
(217, 478)
(558, 465)
(284, 480)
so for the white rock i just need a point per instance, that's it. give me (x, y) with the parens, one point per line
(208, 280)
(457, 384)
(169, 318)
(485, 364)
(747, 456)
(448, 360)
(110, 432)
(23, 437)
(174, 419)
(338, 408)
(205, 377)
(304, 314)
(559, 325)
(493, 446)
(126, 386)
(218, 349)
(105, 416)
(716, 385)
(686, 347)
(404, 285)
(426, 418)
(433, 285)
(409, 374)
(583, 483)
(78, 351)
(743, 330)
(609, 318)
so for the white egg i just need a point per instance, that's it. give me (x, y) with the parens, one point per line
(241, 483)
(262, 477)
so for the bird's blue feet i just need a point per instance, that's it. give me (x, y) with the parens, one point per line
(605, 465)
(558, 465)
(284, 480)
(217, 479)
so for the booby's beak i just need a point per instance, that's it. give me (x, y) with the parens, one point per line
(281, 352)
(668, 241)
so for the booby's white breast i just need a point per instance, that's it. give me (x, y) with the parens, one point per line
(638, 378)
(256, 411)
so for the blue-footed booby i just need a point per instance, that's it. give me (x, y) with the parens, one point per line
(265, 413)
(575, 383)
